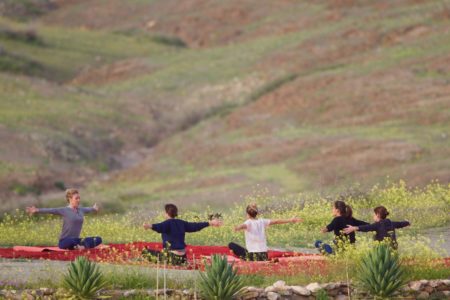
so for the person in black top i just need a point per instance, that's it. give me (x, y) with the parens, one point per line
(343, 216)
(173, 232)
(383, 227)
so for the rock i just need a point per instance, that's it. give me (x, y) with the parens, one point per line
(406, 289)
(343, 290)
(27, 296)
(313, 287)
(446, 293)
(270, 289)
(330, 286)
(415, 285)
(129, 293)
(333, 293)
(170, 292)
(299, 290)
(433, 283)
(286, 293)
(299, 297)
(442, 287)
(423, 295)
(273, 296)
(341, 297)
(280, 285)
(446, 282)
(250, 295)
(438, 295)
(254, 289)
(167, 292)
(115, 294)
(47, 291)
(428, 289)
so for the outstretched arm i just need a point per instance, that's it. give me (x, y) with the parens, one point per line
(215, 223)
(357, 222)
(94, 208)
(240, 227)
(329, 227)
(162, 227)
(350, 229)
(285, 221)
(33, 209)
(363, 228)
(401, 224)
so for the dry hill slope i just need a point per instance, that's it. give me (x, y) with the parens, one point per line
(297, 96)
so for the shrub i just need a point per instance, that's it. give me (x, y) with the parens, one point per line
(84, 278)
(60, 185)
(172, 41)
(322, 295)
(381, 272)
(221, 281)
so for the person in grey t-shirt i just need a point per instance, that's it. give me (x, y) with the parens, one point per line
(73, 218)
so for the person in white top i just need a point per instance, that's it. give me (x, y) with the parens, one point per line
(255, 235)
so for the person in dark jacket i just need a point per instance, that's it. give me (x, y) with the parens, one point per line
(343, 216)
(173, 232)
(383, 227)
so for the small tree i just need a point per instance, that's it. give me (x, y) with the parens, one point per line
(220, 280)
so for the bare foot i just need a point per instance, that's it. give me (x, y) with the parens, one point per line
(101, 246)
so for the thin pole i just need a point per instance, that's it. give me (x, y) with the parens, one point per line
(195, 282)
(157, 278)
(165, 272)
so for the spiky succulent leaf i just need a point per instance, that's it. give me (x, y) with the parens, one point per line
(380, 272)
(83, 279)
(220, 280)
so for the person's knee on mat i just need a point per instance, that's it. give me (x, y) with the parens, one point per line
(91, 242)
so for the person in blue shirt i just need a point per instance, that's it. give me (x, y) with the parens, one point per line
(384, 228)
(173, 233)
(73, 218)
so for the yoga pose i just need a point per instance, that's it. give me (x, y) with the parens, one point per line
(255, 235)
(384, 228)
(73, 218)
(343, 216)
(173, 232)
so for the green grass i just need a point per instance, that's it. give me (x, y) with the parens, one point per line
(403, 203)
(67, 50)
(30, 107)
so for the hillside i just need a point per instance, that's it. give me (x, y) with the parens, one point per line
(205, 102)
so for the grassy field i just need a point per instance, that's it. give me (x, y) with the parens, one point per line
(404, 204)
(316, 212)
(316, 99)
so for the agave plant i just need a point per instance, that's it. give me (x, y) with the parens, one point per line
(84, 278)
(220, 280)
(381, 272)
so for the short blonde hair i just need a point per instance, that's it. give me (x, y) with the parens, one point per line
(70, 193)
